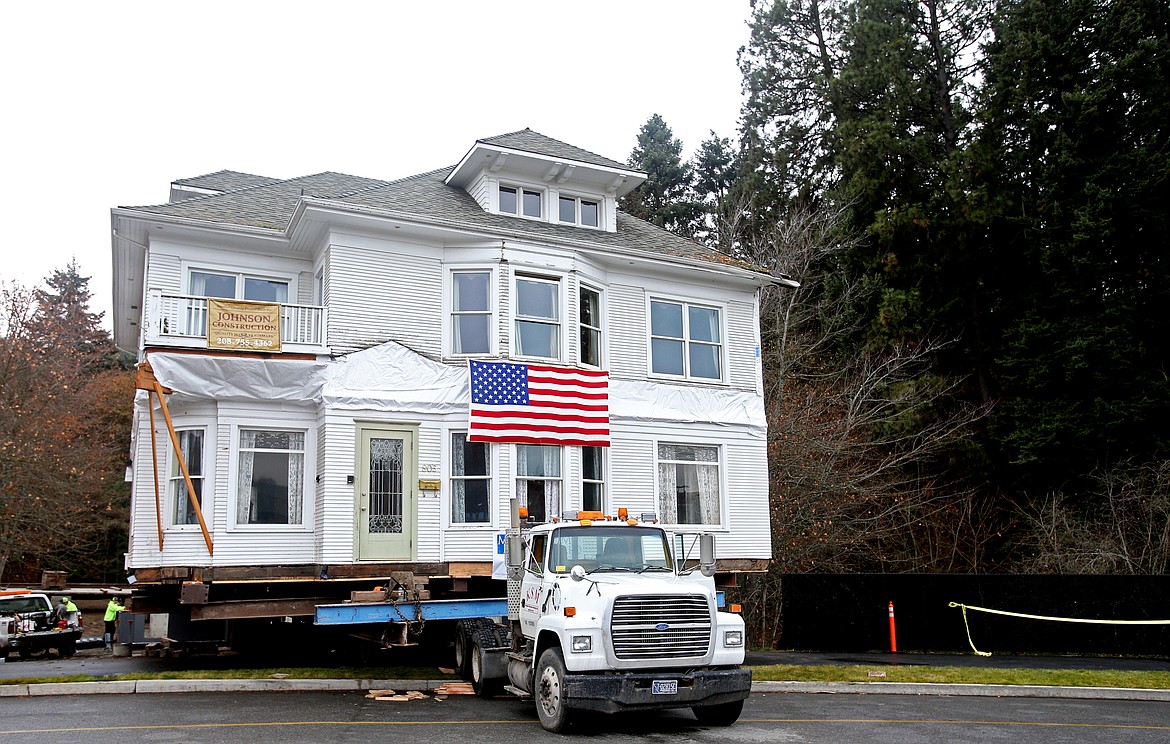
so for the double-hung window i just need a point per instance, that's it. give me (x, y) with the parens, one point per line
(538, 480)
(688, 484)
(589, 317)
(538, 318)
(228, 286)
(521, 202)
(271, 477)
(686, 340)
(471, 481)
(191, 447)
(471, 312)
(593, 478)
(578, 211)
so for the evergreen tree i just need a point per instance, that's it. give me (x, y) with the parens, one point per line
(1079, 104)
(665, 199)
(715, 168)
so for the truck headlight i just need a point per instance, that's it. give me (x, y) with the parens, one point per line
(582, 644)
(732, 638)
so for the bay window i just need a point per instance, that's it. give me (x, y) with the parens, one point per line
(191, 447)
(271, 477)
(538, 480)
(471, 312)
(471, 480)
(538, 318)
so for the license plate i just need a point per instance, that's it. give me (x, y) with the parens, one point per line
(664, 687)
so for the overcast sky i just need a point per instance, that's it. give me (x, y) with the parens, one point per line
(108, 102)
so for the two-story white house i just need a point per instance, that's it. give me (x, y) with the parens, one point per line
(311, 339)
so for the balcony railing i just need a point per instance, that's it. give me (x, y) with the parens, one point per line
(181, 320)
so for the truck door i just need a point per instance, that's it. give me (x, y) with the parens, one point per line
(532, 597)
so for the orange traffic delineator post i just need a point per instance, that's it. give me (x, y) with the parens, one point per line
(893, 632)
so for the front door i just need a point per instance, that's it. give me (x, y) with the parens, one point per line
(387, 493)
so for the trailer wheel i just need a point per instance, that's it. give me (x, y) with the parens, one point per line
(554, 715)
(463, 648)
(484, 687)
(723, 714)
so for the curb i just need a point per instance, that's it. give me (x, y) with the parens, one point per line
(156, 686)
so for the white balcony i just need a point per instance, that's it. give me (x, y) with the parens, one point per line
(181, 321)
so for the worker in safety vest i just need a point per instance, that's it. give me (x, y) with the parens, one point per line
(72, 614)
(111, 619)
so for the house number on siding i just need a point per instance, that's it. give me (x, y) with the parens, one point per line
(428, 468)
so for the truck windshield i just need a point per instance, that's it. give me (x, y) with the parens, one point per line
(14, 605)
(609, 548)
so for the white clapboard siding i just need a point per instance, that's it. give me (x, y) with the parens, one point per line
(742, 342)
(369, 304)
(337, 505)
(627, 331)
(165, 272)
(428, 512)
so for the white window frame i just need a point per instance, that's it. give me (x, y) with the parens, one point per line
(241, 277)
(599, 328)
(492, 479)
(601, 483)
(448, 336)
(720, 480)
(521, 190)
(175, 478)
(561, 306)
(686, 340)
(308, 496)
(577, 200)
(560, 479)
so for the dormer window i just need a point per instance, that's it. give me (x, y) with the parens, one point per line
(577, 211)
(520, 202)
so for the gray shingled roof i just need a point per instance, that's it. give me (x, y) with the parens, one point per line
(270, 204)
(535, 142)
(226, 180)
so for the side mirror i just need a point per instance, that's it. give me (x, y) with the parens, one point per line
(577, 572)
(707, 554)
(514, 551)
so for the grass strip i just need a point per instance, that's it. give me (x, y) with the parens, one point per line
(963, 676)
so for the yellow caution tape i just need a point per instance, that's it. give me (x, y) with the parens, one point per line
(1042, 617)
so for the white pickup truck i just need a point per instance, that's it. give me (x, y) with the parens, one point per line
(29, 626)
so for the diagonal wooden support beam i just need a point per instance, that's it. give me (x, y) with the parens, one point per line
(162, 404)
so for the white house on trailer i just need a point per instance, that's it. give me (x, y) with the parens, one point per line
(304, 412)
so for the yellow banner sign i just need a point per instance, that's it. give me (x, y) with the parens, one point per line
(243, 326)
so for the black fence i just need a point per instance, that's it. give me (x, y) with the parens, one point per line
(849, 612)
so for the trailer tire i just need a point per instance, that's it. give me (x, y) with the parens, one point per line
(549, 685)
(723, 714)
(484, 687)
(462, 650)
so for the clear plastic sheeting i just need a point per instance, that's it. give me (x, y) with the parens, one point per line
(392, 378)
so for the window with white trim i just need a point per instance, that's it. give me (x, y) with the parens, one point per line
(593, 478)
(471, 312)
(688, 484)
(521, 202)
(270, 480)
(538, 480)
(578, 211)
(471, 480)
(191, 442)
(237, 287)
(589, 318)
(686, 340)
(538, 318)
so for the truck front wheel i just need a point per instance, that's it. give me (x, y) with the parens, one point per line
(723, 714)
(550, 691)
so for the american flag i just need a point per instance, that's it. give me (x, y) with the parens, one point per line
(538, 404)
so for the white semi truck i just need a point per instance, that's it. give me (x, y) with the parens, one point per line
(603, 614)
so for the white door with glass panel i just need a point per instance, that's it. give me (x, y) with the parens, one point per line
(387, 493)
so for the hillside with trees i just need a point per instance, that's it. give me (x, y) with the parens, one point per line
(973, 376)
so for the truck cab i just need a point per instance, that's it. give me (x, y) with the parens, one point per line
(610, 618)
